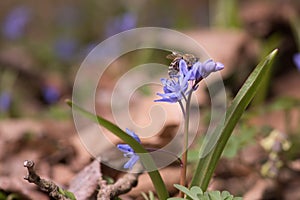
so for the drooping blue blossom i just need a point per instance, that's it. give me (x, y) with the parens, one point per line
(50, 94)
(121, 23)
(128, 151)
(5, 101)
(15, 22)
(201, 70)
(297, 60)
(210, 66)
(65, 48)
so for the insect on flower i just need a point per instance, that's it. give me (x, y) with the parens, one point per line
(190, 60)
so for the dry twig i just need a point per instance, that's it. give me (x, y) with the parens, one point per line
(45, 185)
(106, 192)
(122, 186)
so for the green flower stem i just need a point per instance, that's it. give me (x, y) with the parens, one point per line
(145, 157)
(186, 134)
(207, 163)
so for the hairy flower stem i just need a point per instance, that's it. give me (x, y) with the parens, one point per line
(186, 133)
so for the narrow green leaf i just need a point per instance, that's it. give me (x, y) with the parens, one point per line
(207, 163)
(151, 195)
(145, 157)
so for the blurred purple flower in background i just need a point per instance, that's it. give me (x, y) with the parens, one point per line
(87, 49)
(5, 101)
(121, 23)
(297, 60)
(15, 22)
(50, 94)
(65, 47)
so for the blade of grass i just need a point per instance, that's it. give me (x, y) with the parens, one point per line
(145, 157)
(207, 163)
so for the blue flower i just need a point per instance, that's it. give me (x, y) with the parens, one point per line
(210, 66)
(192, 72)
(202, 70)
(5, 101)
(50, 94)
(175, 88)
(121, 23)
(15, 22)
(65, 48)
(297, 60)
(128, 151)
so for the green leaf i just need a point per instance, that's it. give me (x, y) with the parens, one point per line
(215, 195)
(208, 195)
(151, 195)
(205, 197)
(145, 157)
(2, 195)
(186, 191)
(207, 162)
(70, 195)
(226, 195)
(67, 193)
(197, 191)
(237, 198)
(145, 196)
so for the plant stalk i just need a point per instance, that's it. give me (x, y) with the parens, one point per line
(186, 134)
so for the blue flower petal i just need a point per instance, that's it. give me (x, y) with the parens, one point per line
(124, 148)
(219, 66)
(210, 66)
(15, 22)
(296, 58)
(175, 88)
(128, 151)
(183, 67)
(51, 94)
(195, 71)
(5, 101)
(166, 100)
(131, 162)
(132, 134)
